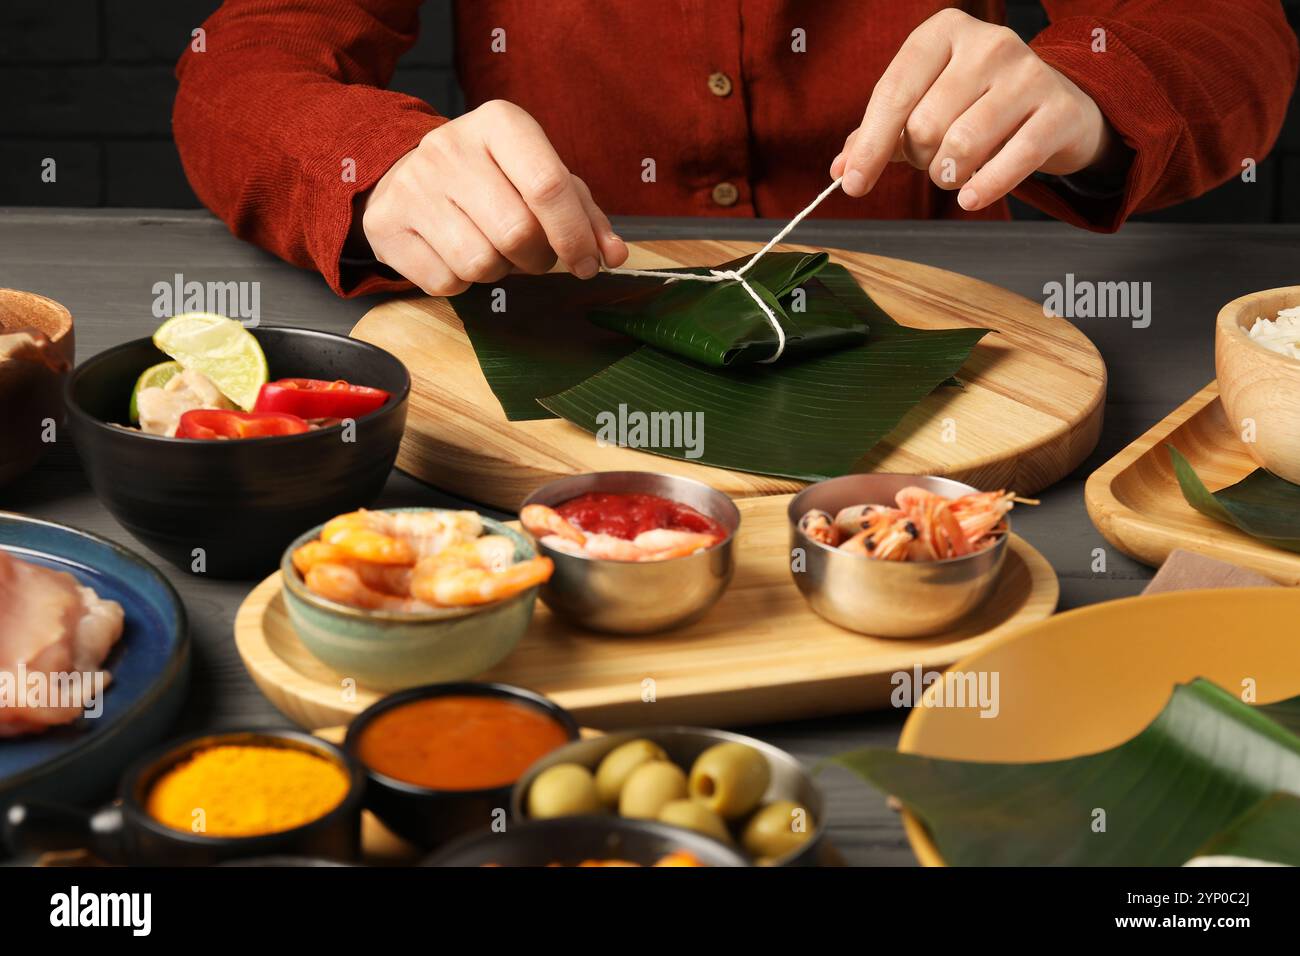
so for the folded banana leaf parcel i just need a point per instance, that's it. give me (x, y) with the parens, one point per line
(680, 368)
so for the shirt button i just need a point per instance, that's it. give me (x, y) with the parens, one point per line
(719, 84)
(725, 194)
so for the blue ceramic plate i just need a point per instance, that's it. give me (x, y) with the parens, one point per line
(149, 667)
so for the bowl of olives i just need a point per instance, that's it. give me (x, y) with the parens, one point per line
(735, 789)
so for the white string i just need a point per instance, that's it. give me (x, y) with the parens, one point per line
(727, 275)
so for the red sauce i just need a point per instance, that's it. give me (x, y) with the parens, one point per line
(627, 515)
(458, 743)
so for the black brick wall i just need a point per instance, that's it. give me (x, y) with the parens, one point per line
(89, 82)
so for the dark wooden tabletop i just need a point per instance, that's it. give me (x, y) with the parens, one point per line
(103, 265)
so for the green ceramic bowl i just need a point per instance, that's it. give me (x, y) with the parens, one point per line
(392, 650)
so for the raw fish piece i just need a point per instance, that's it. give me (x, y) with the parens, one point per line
(50, 623)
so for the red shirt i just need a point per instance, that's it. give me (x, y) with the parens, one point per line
(737, 119)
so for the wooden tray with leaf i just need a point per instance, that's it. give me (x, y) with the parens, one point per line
(1027, 409)
(1137, 503)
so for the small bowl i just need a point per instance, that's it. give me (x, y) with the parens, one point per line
(124, 833)
(391, 650)
(630, 597)
(1260, 388)
(887, 598)
(228, 508)
(568, 841)
(428, 817)
(31, 379)
(790, 781)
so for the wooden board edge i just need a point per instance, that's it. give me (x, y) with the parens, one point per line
(1117, 522)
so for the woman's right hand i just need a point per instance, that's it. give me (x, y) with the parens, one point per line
(482, 196)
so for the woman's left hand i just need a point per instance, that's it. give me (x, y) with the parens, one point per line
(974, 105)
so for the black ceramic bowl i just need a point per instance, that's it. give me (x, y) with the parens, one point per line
(428, 817)
(123, 832)
(569, 841)
(228, 508)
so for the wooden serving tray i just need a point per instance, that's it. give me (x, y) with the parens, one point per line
(1135, 502)
(759, 655)
(1030, 411)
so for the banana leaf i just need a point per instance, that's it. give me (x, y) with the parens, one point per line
(808, 420)
(814, 414)
(1262, 505)
(1268, 833)
(1206, 760)
(737, 330)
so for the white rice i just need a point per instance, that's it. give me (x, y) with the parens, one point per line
(1281, 334)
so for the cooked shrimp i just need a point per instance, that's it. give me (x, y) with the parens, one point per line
(418, 533)
(459, 581)
(980, 514)
(341, 583)
(661, 544)
(819, 526)
(849, 521)
(541, 521)
(496, 551)
(610, 548)
(925, 526)
(317, 552)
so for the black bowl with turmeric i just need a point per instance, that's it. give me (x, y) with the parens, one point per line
(213, 798)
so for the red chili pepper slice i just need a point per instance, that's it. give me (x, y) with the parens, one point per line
(314, 398)
(211, 423)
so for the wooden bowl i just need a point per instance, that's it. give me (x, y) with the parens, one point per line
(36, 352)
(1260, 388)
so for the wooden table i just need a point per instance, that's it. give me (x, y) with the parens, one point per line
(103, 265)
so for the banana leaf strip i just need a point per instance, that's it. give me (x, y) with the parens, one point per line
(1192, 774)
(1262, 505)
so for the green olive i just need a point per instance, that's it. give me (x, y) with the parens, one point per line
(779, 828)
(691, 815)
(730, 779)
(649, 787)
(619, 764)
(565, 790)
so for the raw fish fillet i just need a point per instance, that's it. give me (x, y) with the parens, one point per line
(49, 623)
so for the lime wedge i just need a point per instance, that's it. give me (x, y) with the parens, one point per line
(221, 349)
(155, 376)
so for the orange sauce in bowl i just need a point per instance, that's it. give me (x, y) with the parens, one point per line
(458, 742)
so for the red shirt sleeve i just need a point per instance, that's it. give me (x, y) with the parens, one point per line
(1194, 87)
(280, 121)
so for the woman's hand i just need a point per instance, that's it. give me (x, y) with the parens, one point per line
(482, 196)
(974, 105)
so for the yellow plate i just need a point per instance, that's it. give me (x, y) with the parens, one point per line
(1089, 679)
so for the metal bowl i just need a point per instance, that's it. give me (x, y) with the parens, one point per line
(790, 781)
(629, 597)
(887, 598)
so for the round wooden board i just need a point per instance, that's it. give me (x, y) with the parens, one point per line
(759, 655)
(1030, 411)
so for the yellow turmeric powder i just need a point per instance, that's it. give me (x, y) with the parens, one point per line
(235, 791)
